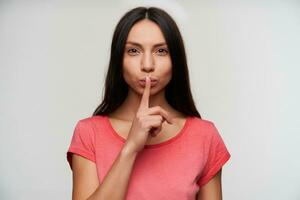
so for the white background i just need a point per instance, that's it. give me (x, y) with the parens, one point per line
(244, 64)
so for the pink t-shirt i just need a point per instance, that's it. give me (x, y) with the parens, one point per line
(174, 169)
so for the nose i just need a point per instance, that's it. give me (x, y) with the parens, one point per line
(147, 64)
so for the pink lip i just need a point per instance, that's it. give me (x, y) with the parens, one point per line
(143, 82)
(151, 78)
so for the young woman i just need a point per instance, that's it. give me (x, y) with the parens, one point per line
(146, 140)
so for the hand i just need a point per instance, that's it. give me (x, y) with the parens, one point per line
(146, 121)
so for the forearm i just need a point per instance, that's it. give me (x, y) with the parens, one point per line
(115, 183)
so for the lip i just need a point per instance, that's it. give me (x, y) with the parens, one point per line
(143, 83)
(151, 78)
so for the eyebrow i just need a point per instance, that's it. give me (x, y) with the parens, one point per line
(137, 44)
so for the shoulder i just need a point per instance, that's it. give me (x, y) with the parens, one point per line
(91, 120)
(87, 125)
(203, 124)
(202, 121)
(203, 128)
(91, 126)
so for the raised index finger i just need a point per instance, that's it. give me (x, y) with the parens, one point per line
(145, 98)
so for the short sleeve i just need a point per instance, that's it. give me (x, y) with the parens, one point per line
(82, 142)
(218, 155)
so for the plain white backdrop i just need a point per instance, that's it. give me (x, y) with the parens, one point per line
(243, 59)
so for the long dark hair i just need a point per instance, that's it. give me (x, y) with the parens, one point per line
(177, 92)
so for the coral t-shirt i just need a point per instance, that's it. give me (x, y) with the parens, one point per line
(174, 169)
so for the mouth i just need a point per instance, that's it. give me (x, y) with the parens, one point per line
(143, 83)
(151, 78)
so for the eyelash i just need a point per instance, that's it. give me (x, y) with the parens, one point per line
(166, 51)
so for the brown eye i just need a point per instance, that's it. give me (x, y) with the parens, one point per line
(132, 51)
(163, 51)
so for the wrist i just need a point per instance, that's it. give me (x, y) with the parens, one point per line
(128, 150)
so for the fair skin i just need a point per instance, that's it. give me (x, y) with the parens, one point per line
(211, 190)
(142, 56)
(146, 53)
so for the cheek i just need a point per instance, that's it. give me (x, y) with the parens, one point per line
(166, 75)
(129, 70)
(127, 74)
(130, 64)
(165, 70)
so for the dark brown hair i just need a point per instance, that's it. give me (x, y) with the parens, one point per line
(177, 92)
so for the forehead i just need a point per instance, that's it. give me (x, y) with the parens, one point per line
(146, 32)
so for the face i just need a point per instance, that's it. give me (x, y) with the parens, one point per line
(146, 53)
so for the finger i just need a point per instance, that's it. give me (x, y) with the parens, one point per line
(166, 117)
(160, 111)
(156, 128)
(145, 98)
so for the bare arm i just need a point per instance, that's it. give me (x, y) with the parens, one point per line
(114, 185)
(85, 180)
(213, 189)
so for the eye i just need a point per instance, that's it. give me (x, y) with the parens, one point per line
(132, 51)
(162, 51)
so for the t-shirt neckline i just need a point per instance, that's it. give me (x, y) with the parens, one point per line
(149, 146)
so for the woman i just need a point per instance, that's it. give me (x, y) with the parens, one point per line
(146, 140)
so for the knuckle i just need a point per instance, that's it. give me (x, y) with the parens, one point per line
(144, 125)
(140, 111)
(157, 108)
(160, 118)
(140, 119)
(162, 110)
(140, 114)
